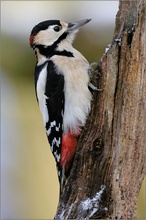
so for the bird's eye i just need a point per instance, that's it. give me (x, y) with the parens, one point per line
(57, 28)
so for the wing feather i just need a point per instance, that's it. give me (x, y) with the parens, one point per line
(50, 93)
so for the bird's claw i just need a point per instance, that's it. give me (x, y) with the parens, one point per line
(90, 73)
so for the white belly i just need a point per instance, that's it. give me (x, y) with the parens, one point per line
(77, 94)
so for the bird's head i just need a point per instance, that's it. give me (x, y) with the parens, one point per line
(50, 33)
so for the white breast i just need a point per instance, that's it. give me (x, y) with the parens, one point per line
(77, 94)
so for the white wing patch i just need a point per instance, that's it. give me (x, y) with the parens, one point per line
(56, 143)
(57, 156)
(53, 124)
(41, 84)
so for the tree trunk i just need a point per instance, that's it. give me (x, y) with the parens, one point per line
(110, 160)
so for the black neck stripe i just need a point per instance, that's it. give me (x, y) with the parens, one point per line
(49, 51)
(62, 37)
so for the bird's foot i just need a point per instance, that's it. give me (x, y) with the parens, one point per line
(92, 68)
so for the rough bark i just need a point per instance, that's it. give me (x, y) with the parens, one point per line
(109, 164)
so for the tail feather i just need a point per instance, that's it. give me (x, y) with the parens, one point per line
(69, 144)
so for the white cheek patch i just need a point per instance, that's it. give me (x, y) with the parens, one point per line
(49, 36)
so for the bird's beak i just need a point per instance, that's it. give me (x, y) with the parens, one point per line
(77, 24)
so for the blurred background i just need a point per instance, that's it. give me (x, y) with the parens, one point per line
(29, 184)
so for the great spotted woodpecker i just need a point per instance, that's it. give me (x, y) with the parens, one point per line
(61, 84)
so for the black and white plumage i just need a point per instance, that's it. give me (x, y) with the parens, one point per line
(61, 83)
(50, 96)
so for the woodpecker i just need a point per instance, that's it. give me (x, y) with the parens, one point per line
(62, 88)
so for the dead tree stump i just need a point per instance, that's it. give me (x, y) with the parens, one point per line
(110, 160)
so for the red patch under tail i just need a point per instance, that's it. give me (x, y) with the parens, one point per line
(69, 144)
